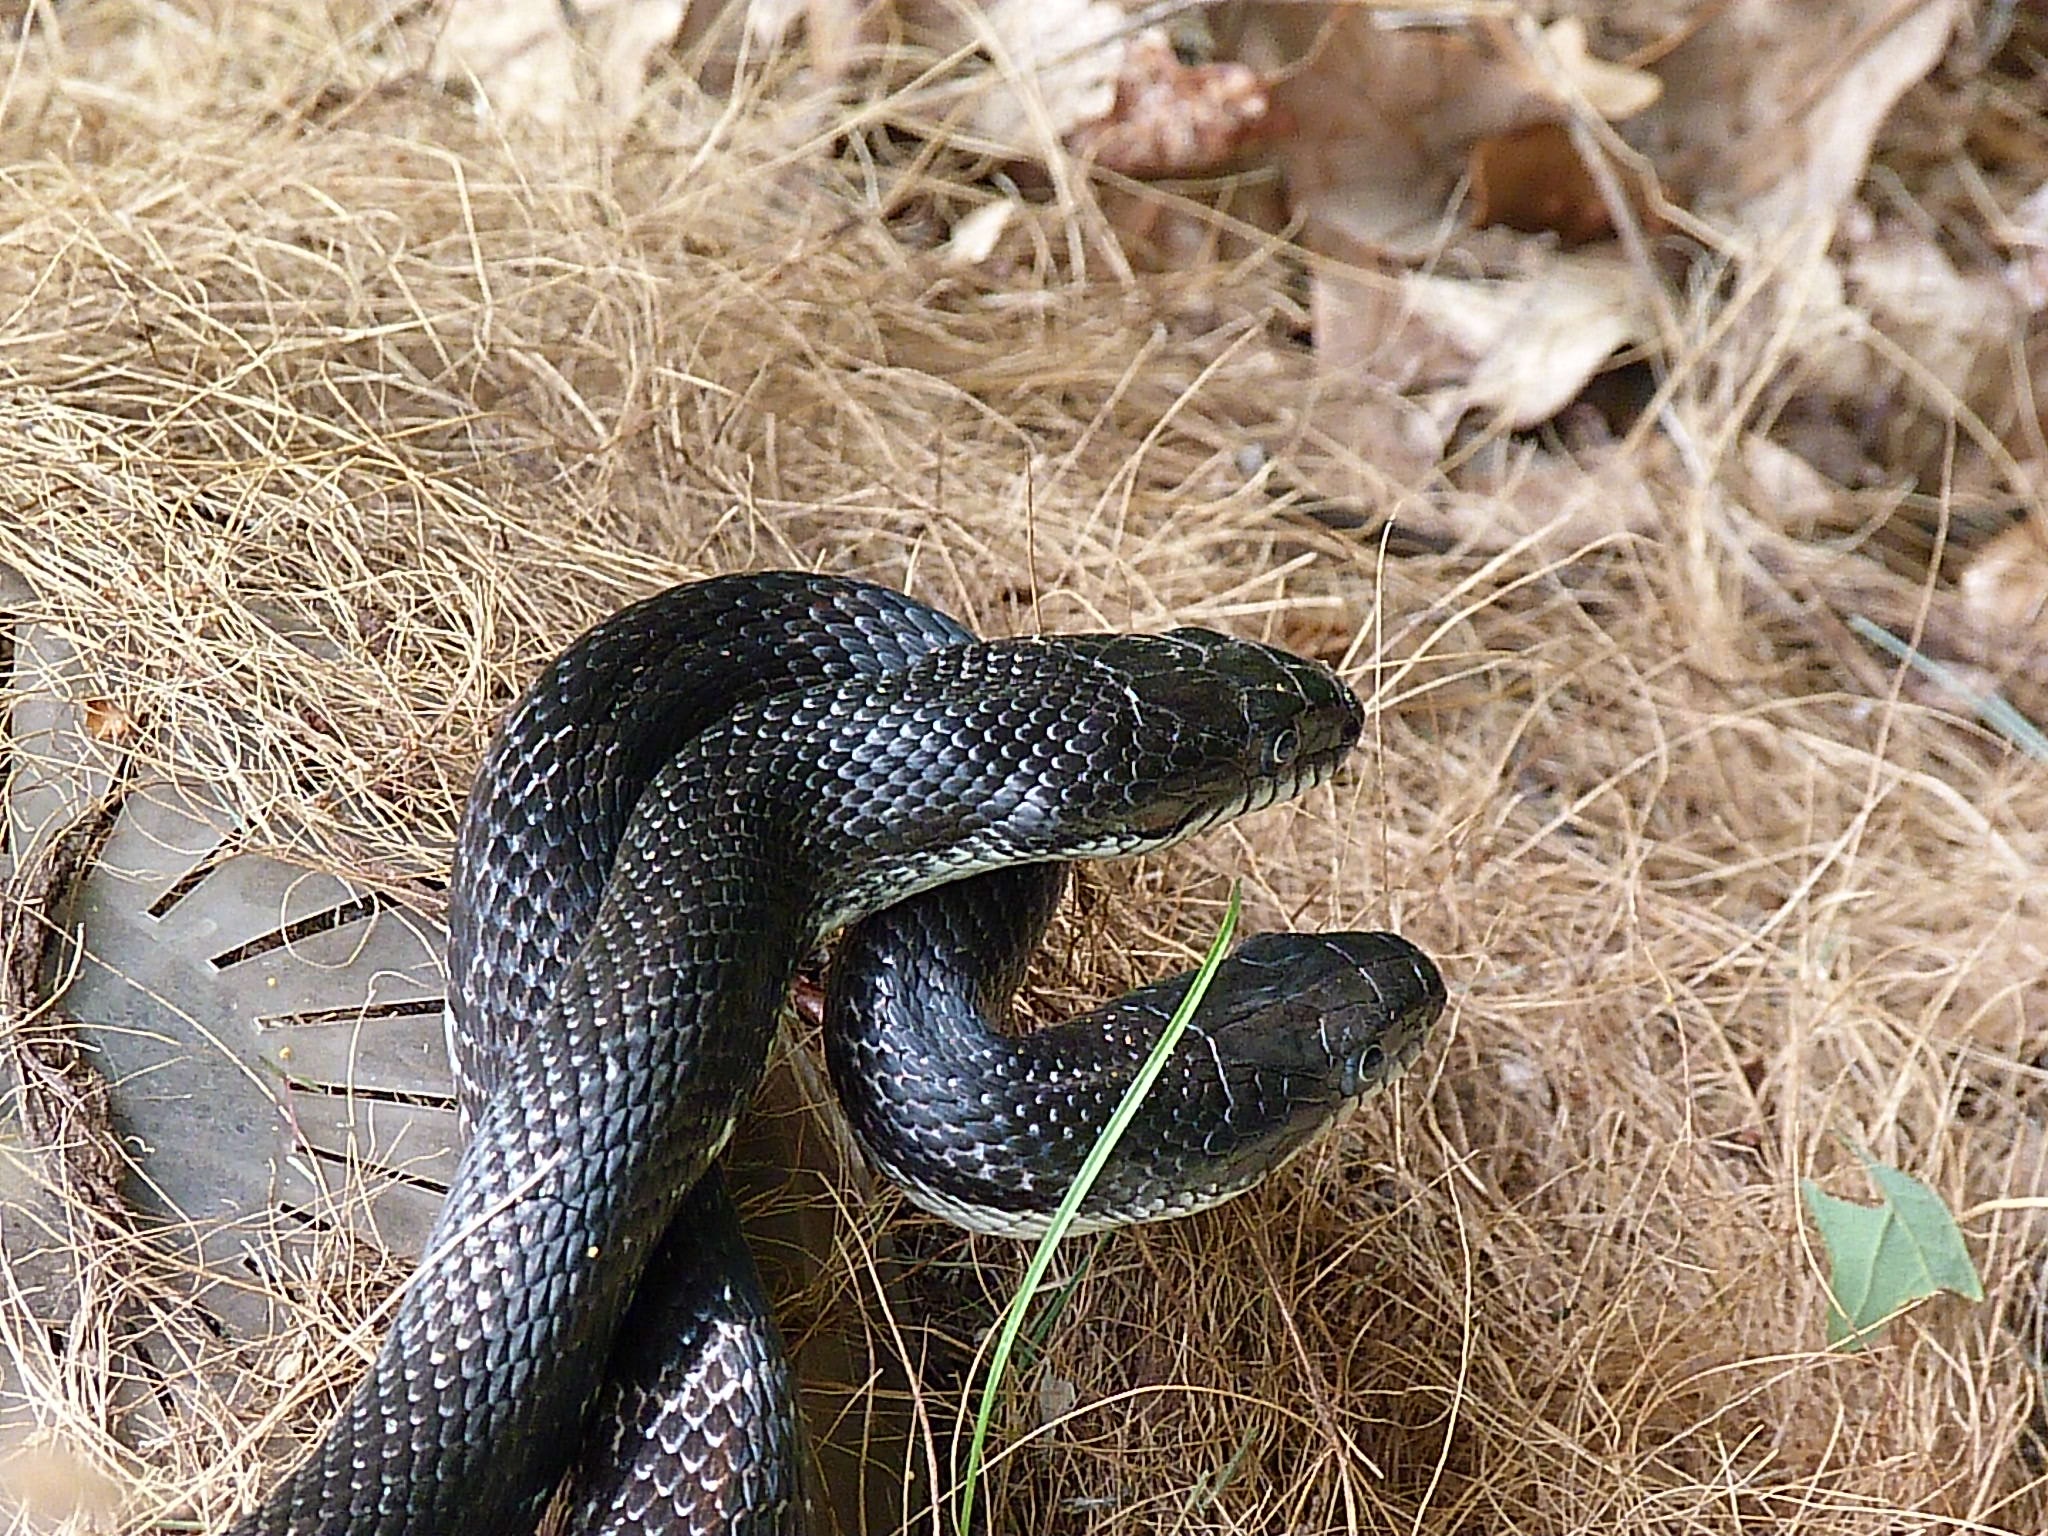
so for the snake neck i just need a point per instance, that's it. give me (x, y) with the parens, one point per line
(557, 786)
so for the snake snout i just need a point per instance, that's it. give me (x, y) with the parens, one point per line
(1394, 997)
(1224, 726)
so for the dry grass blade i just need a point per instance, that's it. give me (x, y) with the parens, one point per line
(293, 344)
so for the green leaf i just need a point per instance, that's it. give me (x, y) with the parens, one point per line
(1881, 1257)
(1991, 708)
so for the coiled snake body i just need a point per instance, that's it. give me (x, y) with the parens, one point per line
(680, 806)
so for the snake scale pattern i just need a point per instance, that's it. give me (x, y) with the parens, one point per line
(679, 808)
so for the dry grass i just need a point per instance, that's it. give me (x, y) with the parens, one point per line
(1712, 907)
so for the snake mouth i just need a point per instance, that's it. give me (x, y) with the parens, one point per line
(1307, 772)
(1256, 794)
(1174, 823)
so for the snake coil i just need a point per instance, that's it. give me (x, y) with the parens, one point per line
(682, 804)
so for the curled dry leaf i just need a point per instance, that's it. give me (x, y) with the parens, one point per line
(1363, 325)
(1533, 180)
(1173, 119)
(1771, 106)
(622, 38)
(1518, 349)
(1383, 119)
(1057, 1397)
(1060, 58)
(1380, 122)
(1371, 444)
(1070, 71)
(2005, 589)
(1614, 91)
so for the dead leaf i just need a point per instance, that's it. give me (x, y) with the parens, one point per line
(107, 721)
(1383, 117)
(537, 59)
(2026, 232)
(1568, 503)
(1535, 341)
(2005, 588)
(1362, 324)
(1614, 91)
(518, 52)
(622, 39)
(1170, 118)
(1057, 63)
(1955, 326)
(771, 22)
(50, 1480)
(1885, 344)
(1553, 333)
(1784, 489)
(1555, 505)
(1533, 180)
(1518, 349)
(1771, 107)
(1374, 444)
(834, 31)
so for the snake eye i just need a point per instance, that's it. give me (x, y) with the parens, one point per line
(1281, 749)
(1368, 1071)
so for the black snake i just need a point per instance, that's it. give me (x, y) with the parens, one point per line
(680, 806)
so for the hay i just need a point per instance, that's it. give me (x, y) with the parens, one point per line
(285, 349)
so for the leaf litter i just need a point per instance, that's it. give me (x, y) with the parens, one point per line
(1591, 385)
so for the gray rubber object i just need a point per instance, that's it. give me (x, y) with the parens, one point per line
(264, 1031)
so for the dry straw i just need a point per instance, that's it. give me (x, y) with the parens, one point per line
(276, 338)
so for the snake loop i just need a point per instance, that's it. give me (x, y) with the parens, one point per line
(682, 804)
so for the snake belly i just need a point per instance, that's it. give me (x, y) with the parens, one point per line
(601, 1106)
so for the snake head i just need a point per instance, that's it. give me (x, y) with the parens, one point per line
(1220, 726)
(1010, 752)
(1336, 1015)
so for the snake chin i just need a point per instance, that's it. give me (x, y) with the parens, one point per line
(1031, 1225)
(1303, 775)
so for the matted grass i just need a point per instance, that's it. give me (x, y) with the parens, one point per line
(1709, 904)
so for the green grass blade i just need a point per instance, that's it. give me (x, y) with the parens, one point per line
(1992, 708)
(1063, 1218)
